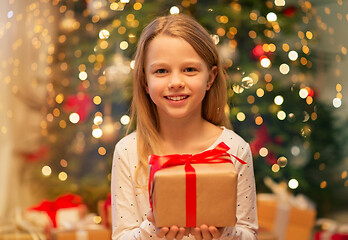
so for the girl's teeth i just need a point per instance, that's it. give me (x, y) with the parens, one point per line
(176, 98)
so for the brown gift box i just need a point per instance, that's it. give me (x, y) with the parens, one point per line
(265, 235)
(83, 234)
(16, 236)
(299, 222)
(216, 187)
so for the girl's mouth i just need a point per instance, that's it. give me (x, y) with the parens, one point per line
(176, 98)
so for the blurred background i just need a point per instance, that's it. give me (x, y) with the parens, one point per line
(65, 92)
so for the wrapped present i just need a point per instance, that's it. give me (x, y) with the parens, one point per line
(286, 221)
(82, 234)
(187, 195)
(104, 210)
(329, 229)
(67, 209)
(325, 235)
(263, 234)
(16, 236)
(17, 227)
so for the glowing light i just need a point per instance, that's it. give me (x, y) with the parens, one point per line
(303, 93)
(124, 1)
(114, 6)
(83, 75)
(62, 176)
(281, 115)
(279, 3)
(98, 120)
(265, 62)
(97, 100)
(215, 38)
(278, 100)
(46, 170)
(124, 45)
(293, 183)
(258, 120)
(271, 17)
(275, 168)
(10, 14)
(295, 150)
(59, 98)
(284, 68)
(260, 92)
(74, 118)
(293, 55)
(263, 152)
(323, 184)
(336, 102)
(125, 119)
(97, 219)
(174, 10)
(63, 163)
(137, 6)
(338, 87)
(97, 133)
(282, 161)
(240, 116)
(104, 34)
(132, 64)
(247, 82)
(102, 151)
(309, 34)
(237, 88)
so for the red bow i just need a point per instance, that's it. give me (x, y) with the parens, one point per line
(217, 155)
(51, 207)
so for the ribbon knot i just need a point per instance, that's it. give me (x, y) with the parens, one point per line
(217, 155)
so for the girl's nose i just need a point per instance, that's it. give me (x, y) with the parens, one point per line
(176, 82)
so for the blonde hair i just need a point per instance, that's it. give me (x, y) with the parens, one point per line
(144, 110)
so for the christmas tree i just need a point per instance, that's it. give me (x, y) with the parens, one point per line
(268, 49)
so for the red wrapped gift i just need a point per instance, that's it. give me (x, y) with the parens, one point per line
(326, 235)
(104, 210)
(55, 209)
(187, 195)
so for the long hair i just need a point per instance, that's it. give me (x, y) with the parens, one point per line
(144, 110)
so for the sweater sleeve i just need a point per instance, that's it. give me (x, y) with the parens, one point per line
(127, 221)
(247, 225)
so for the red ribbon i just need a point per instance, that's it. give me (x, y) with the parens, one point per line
(217, 155)
(51, 207)
(107, 204)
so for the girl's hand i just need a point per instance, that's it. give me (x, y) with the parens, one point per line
(207, 233)
(170, 233)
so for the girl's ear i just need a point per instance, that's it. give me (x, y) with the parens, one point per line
(212, 76)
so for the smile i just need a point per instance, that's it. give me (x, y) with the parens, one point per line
(176, 98)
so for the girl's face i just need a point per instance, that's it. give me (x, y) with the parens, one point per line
(177, 77)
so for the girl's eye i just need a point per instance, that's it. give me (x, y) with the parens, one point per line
(161, 71)
(190, 69)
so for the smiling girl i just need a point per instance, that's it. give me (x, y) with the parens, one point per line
(178, 103)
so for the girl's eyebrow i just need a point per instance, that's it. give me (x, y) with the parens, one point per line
(159, 64)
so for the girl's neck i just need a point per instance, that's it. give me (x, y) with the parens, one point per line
(192, 135)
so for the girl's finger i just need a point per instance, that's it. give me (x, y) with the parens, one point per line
(205, 232)
(196, 232)
(173, 230)
(187, 231)
(150, 217)
(215, 232)
(180, 233)
(161, 232)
